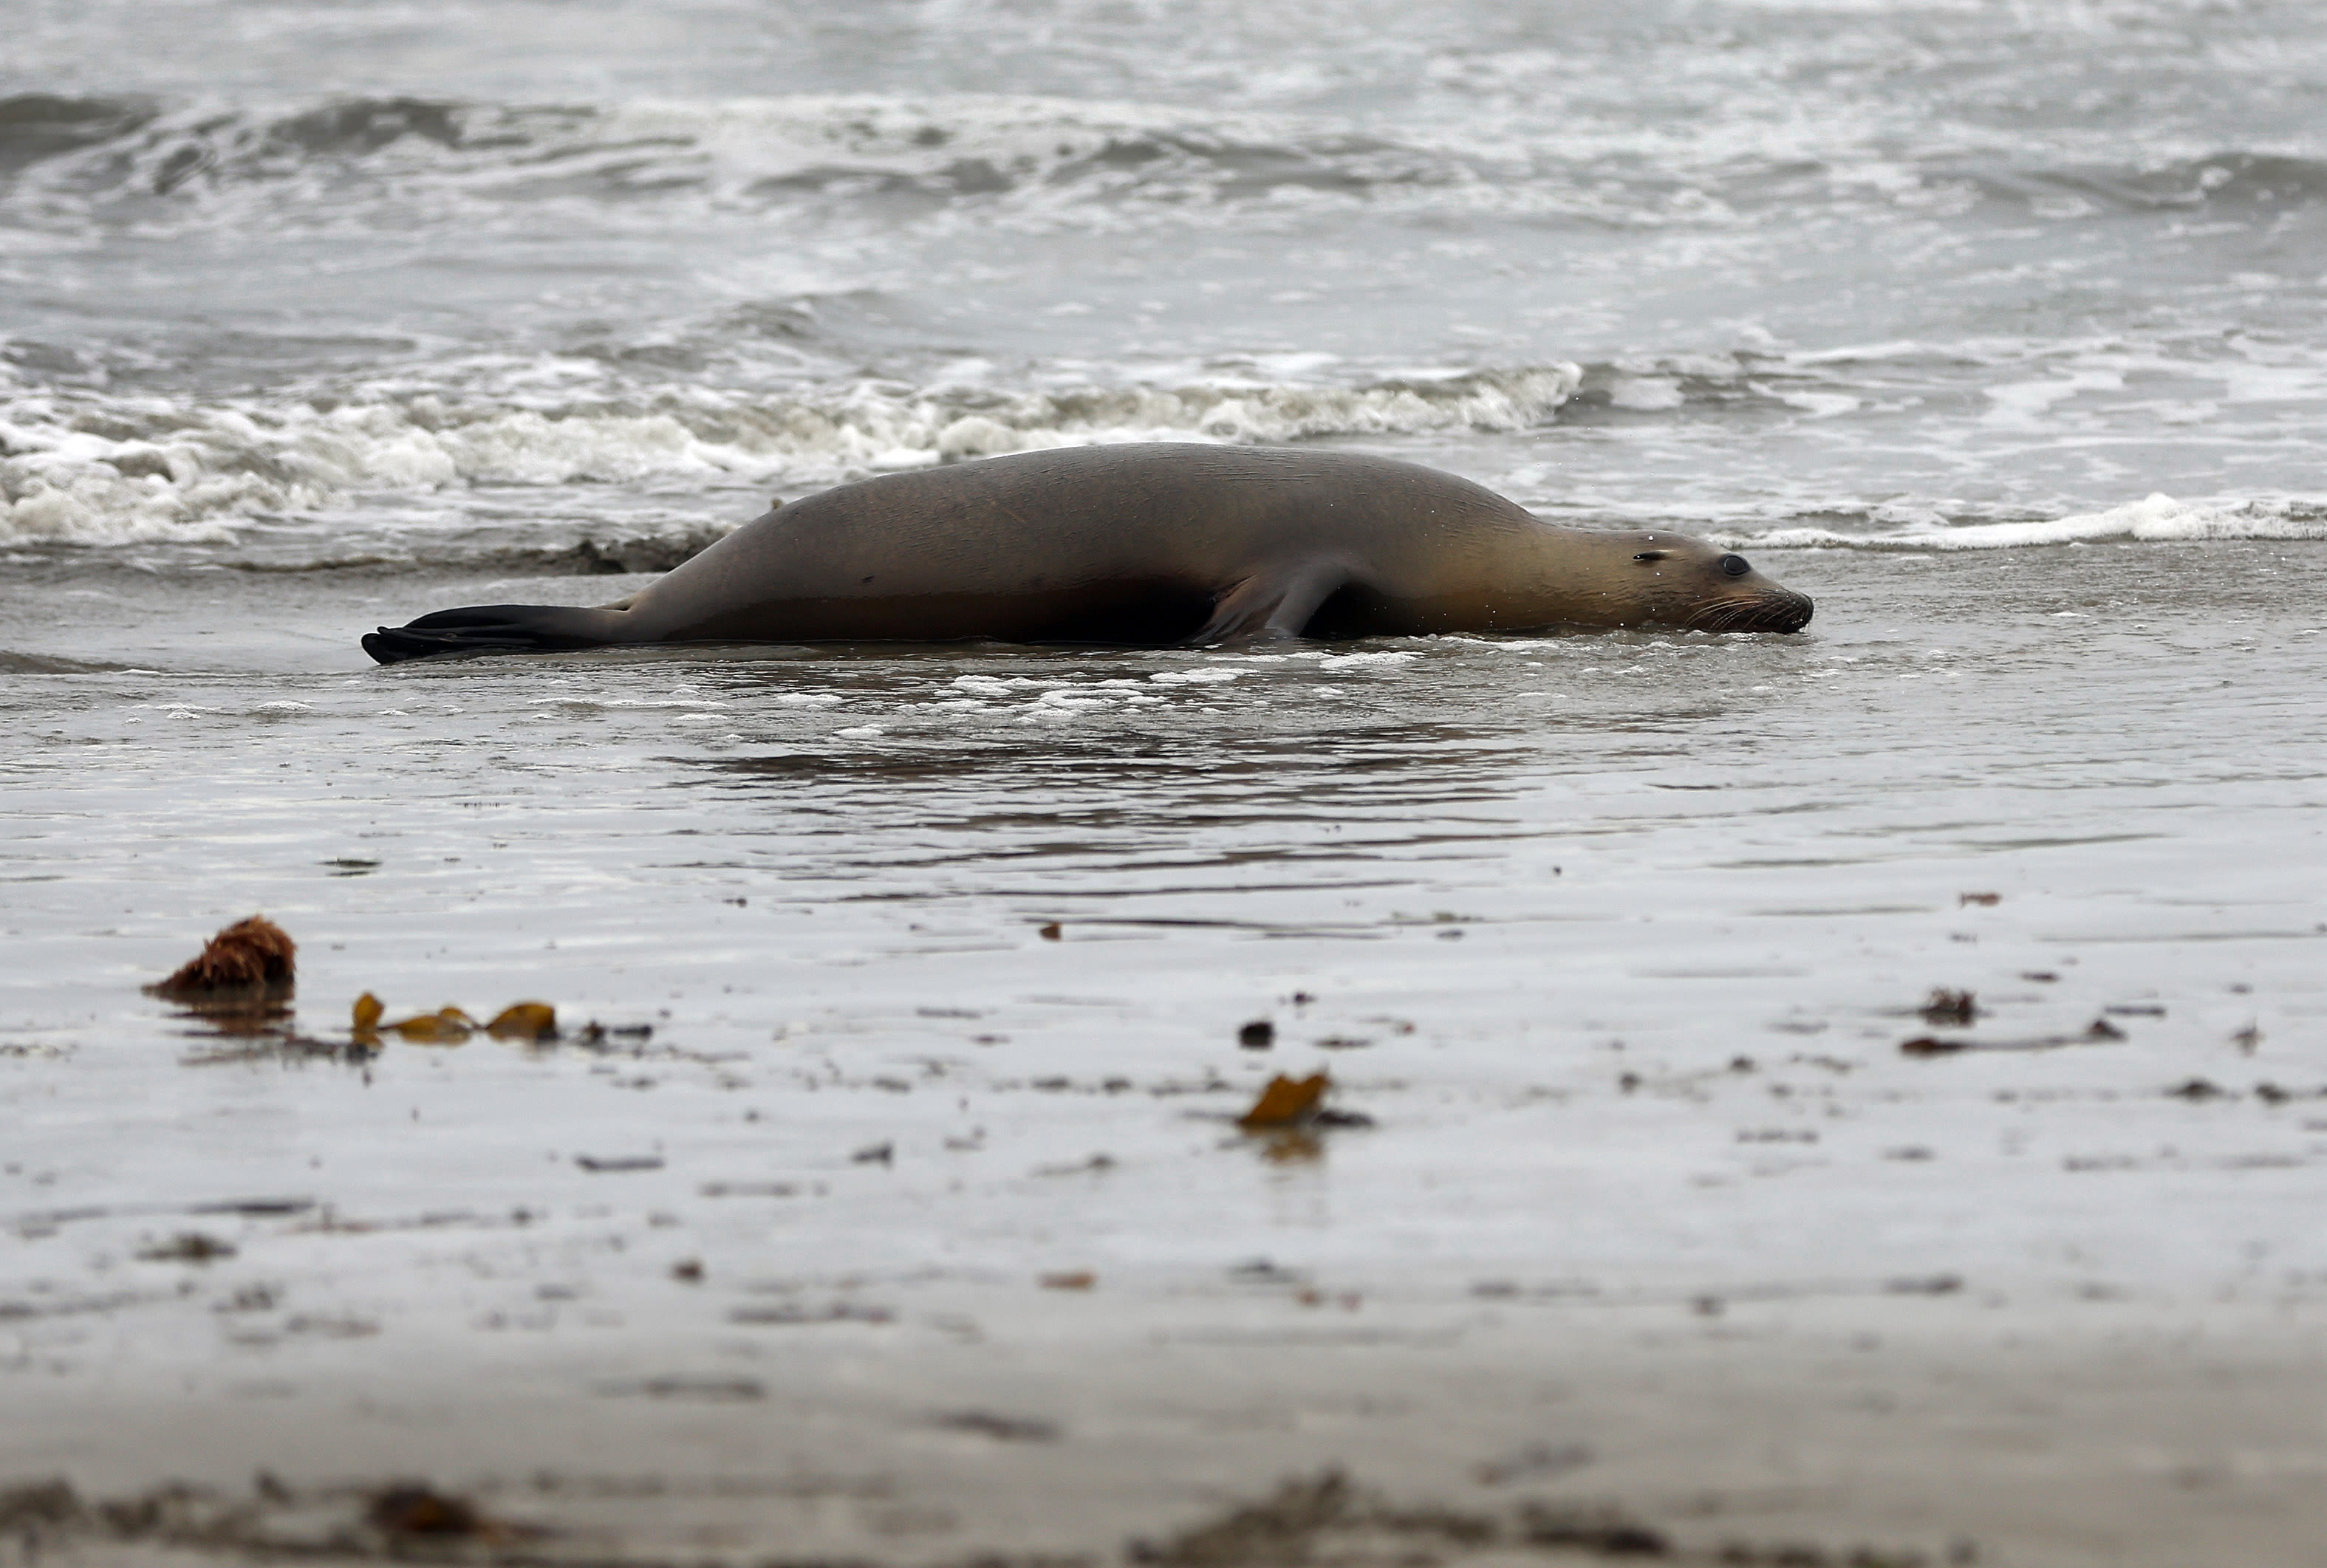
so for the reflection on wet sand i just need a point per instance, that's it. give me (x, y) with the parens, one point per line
(916, 994)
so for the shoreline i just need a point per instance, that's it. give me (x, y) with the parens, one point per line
(1869, 1433)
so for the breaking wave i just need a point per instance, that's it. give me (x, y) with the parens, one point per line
(84, 467)
(362, 162)
(68, 157)
(2158, 518)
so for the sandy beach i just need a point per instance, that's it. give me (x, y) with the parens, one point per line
(896, 1210)
(1890, 1430)
(1853, 1098)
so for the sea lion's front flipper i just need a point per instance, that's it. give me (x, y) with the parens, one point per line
(1277, 602)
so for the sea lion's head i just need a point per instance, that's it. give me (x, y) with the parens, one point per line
(1700, 587)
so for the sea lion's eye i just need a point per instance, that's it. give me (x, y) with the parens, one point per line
(1735, 565)
(1650, 556)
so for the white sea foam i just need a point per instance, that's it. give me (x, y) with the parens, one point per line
(86, 468)
(2158, 518)
(1036, 164)
(1378, 660)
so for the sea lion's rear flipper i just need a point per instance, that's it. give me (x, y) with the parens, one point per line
(1277, 602)
(495, 629)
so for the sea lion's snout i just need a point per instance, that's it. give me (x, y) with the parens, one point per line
(1769, 609)
(1703, 588)
(1784, 611)
(1753, 603)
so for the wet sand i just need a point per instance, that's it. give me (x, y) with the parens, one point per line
(923, 974)
(1803, 1432)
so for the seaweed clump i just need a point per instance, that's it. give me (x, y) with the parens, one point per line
(252, 959)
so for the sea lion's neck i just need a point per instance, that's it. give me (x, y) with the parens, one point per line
(1586, 577)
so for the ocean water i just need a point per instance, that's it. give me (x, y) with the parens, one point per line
(1996, 327)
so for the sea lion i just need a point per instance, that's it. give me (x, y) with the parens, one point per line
(1146, 546)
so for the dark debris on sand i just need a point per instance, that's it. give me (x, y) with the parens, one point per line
(252, 957)
(1308, 1522)
(1328, 1518)
(399, 1520)
(411, 1508)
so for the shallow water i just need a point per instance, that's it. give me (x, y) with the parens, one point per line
(1512, 875)
(1996, 331)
